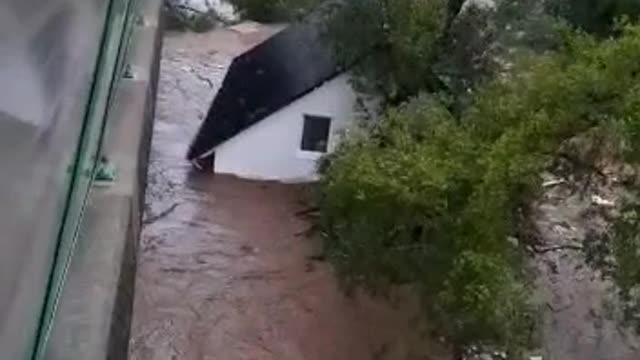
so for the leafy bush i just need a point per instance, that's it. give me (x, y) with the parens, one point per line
(272, 10)
(401, 40)
(616, 253)
(596, 16)
(397, 49)
(430, 199)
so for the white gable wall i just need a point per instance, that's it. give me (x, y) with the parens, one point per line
(270, 149)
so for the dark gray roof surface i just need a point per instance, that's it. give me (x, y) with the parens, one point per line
(265, 79)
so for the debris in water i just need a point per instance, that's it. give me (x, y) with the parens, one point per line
(151, 219)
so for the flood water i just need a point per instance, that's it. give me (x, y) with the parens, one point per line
(226, 270)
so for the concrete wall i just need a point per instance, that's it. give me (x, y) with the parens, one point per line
(94, 312)
(270, 150)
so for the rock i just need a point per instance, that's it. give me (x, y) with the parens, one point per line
(598, 200)
(485, 4)
(500, 355)
(553, 182)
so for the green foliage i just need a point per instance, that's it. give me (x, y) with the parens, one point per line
(273, 10)
(391, 43)
(617, 255)
(395, 212)
(430, 199)
(400, 48)
(397, 49)
(625, 246)
(595, 16)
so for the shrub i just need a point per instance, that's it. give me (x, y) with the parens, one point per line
(431, 200)
(272, 10)
(596, 16)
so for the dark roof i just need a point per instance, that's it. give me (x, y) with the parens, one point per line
(265, 79)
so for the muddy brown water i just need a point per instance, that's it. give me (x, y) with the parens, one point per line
(224, 268)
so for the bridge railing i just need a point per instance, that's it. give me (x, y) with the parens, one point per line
(59, 62)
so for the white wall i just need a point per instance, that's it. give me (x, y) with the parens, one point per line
(270, 149)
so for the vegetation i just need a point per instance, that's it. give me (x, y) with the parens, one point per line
(596, 16)
(477, 102)
(437, 200)
(273, 10)
(400, 39)
(398, 49)
(617, 254)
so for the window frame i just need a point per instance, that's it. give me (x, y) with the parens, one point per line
(301, 144)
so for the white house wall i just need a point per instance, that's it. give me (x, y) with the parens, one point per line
(270, 149)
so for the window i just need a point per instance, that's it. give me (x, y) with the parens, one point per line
(315, 134)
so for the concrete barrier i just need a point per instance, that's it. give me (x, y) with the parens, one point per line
(94, 313)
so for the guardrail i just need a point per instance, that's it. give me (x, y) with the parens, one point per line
(111, 67)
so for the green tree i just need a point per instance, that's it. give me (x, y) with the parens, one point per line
(391, 46)
(595, 16)
(480, 99)
(273, 10)
(400, 48)
(432, 199)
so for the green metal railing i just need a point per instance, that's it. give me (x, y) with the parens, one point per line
(111, 66)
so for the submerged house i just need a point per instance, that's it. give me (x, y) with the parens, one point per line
(283, 105)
